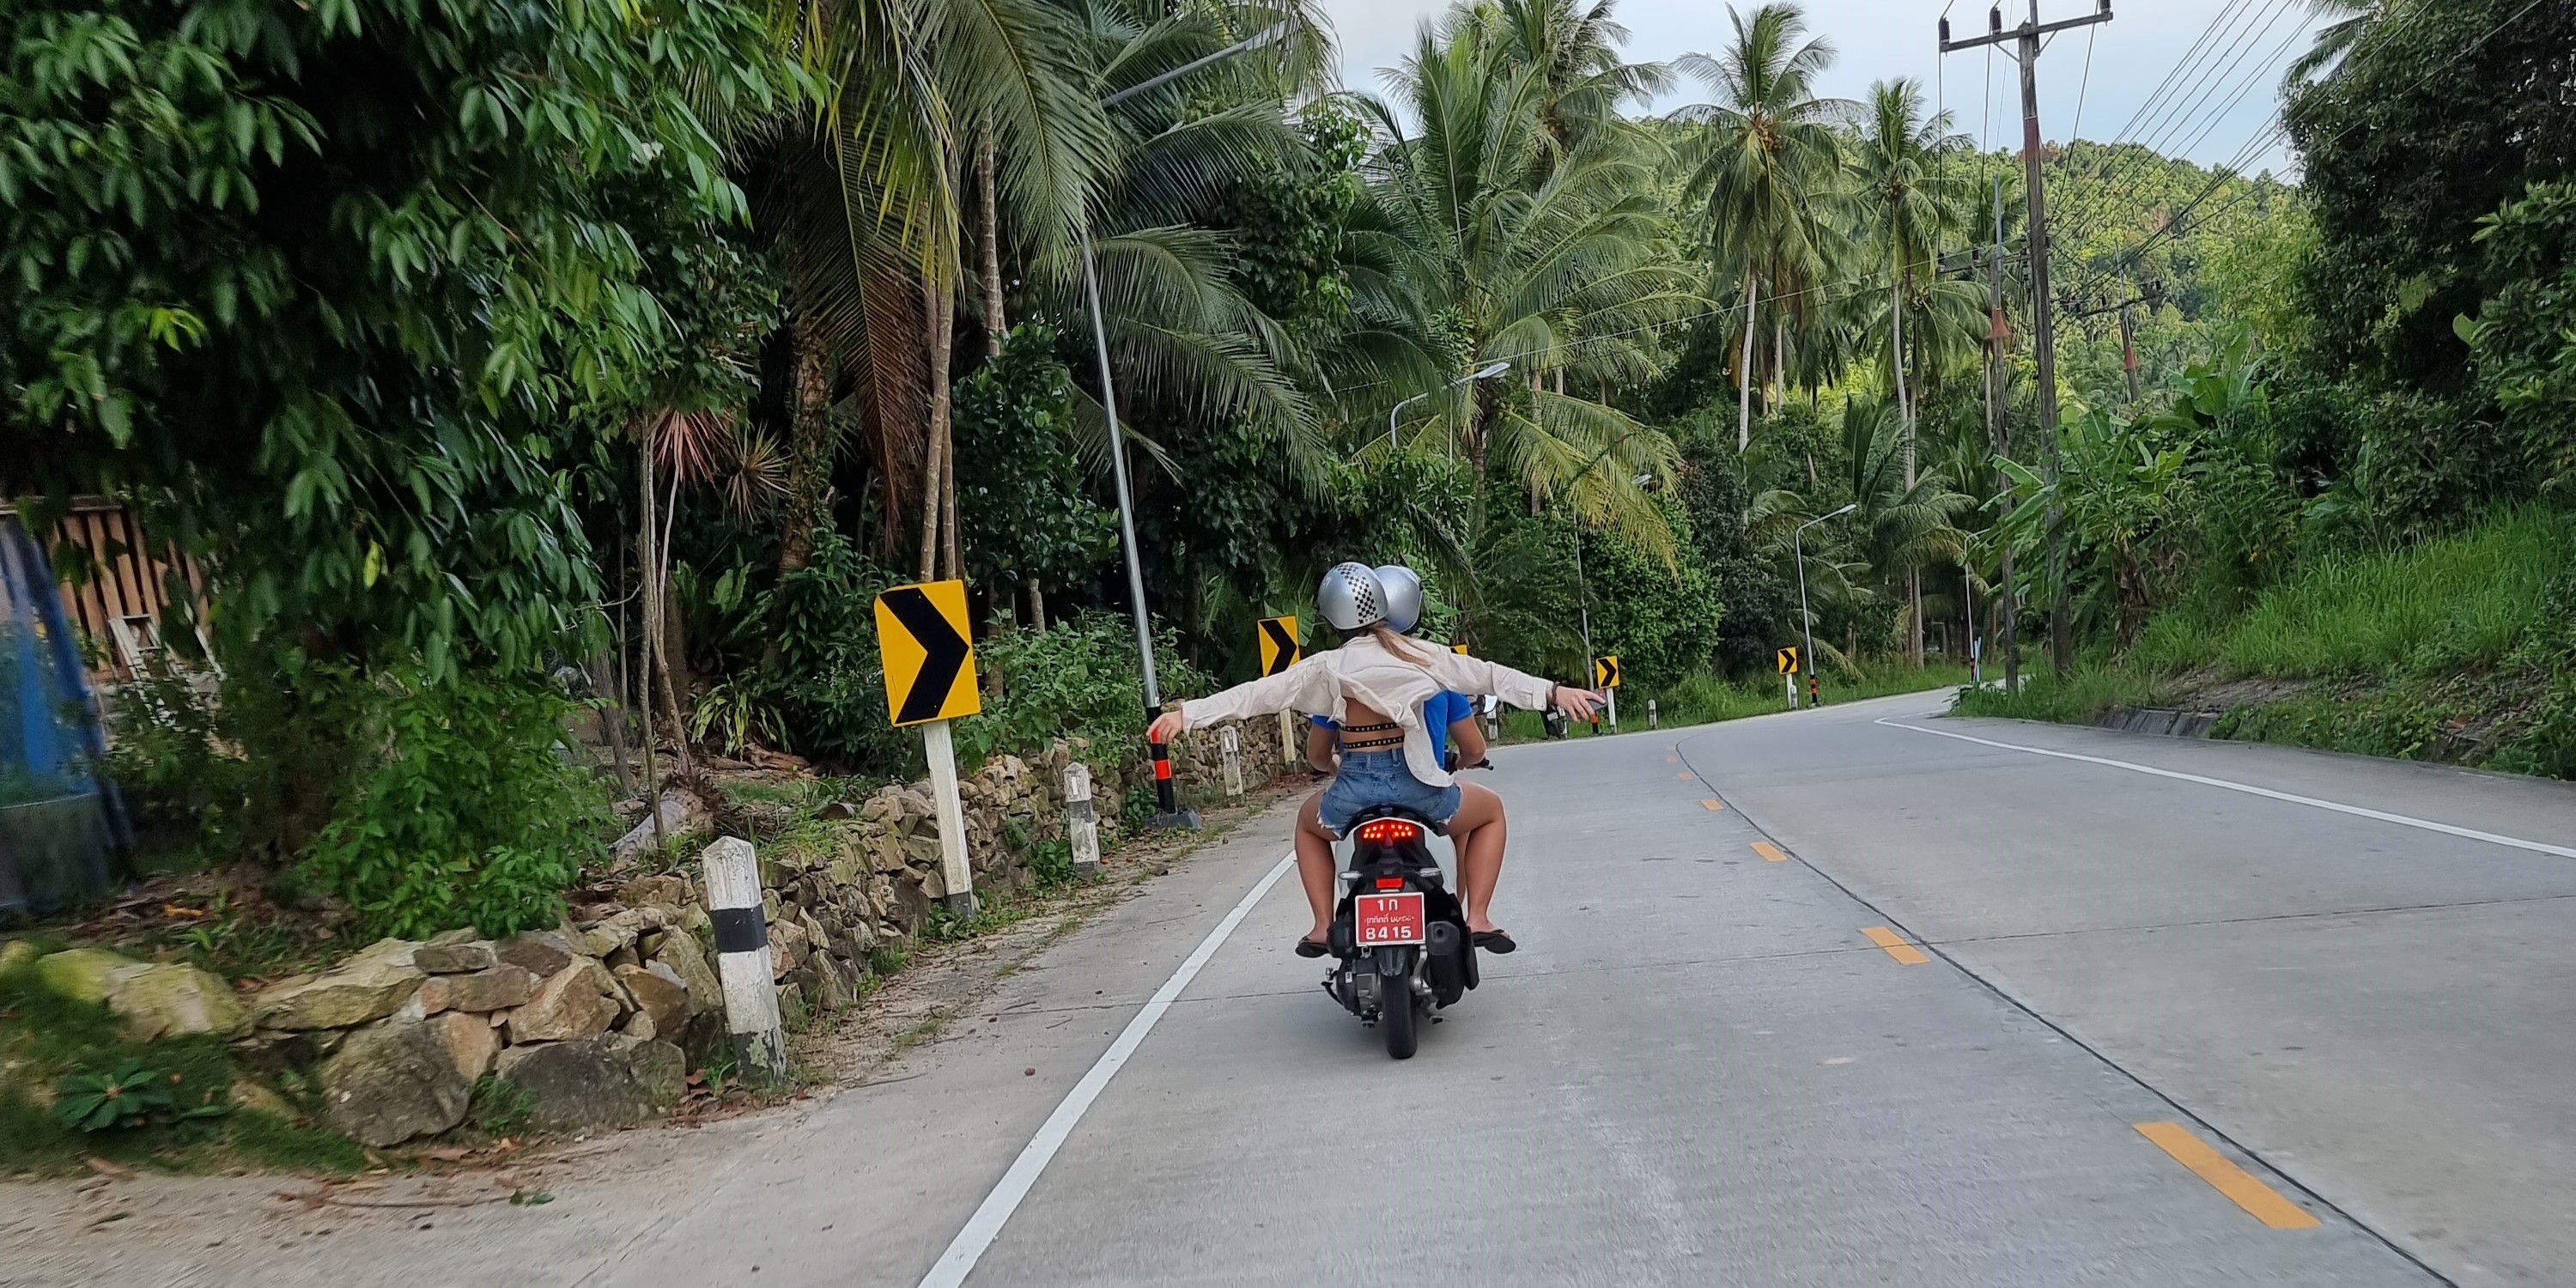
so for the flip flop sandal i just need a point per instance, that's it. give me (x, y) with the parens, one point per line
(1495, 941)
(1311, 948)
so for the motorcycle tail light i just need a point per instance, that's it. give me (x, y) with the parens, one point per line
(1390, 883)
(1389, 831)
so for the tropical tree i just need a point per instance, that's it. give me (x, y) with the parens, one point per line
(1764, 158)
(1491, 257)
(1908, 207)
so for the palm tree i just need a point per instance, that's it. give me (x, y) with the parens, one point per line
(1910, 207)
(1558, 269)
(1764, 158)
(2352, 19)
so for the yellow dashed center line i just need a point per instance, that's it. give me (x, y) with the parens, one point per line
(1905, 954)
(2241, 1188)
(1770, 853)
(1712, 806)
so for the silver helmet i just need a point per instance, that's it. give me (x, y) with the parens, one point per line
(1351, 597)
(1403, 597)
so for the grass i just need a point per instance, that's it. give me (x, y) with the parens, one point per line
(1704, 699)
(2463, 600)
(45, 1037)
(2449, 649)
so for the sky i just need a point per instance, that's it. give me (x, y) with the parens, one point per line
(1878, 39)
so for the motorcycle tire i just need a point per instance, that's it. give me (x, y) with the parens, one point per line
(1399, 1018)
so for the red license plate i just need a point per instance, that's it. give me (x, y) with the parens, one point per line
(1381, 919)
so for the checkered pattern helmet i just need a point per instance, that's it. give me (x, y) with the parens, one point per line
(1403, 597)
(1351, 597)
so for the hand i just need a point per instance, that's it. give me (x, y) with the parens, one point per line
(1165, 727)
(1577, 704)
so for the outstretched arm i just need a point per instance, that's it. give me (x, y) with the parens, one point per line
(1306, 685)
(1476, 675)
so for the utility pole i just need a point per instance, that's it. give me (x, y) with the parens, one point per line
(2026, 38)
(2129, 352)
(1997, 336)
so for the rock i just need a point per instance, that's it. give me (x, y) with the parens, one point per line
(786, 947)
(366, 987)
(85, 974)
(682, 813)
(621, 930)
(581, 1084)
(686, 958)
(834, 987)
(666, 1000)
(392, 1082)
(176, 1001)
(463, 935)
(16, 953)
(497, 989)
(669, 890)
(455, 959)
(570, 1006)
(254, 1097)
(541, 953)
(660, 1070)
(471, 1041)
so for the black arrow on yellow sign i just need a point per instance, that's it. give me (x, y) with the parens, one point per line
(945, 650)
(1279, 647)
(1605, 672)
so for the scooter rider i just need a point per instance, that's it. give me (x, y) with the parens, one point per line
(1374, 686)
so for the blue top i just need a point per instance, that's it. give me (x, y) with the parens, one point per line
(1443, 710)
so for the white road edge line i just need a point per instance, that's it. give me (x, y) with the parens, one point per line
(2402, 820)
(986, 1225)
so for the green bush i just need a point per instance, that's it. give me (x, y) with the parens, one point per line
(1077, 678)
(468, 817)
(824, 677)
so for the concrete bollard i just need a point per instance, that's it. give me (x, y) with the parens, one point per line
(742, 957)
(1230, 747)
(1650, 713)
(1082, 822)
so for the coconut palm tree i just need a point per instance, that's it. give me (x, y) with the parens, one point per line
(1492, 258)
(1909, 207)
(1764, 161)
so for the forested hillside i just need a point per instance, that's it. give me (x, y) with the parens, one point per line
(494, 366)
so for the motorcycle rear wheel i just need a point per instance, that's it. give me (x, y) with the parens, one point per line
(1399, 1016)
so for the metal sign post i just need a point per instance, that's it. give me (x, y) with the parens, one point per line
(929, 658)
(1605, 677)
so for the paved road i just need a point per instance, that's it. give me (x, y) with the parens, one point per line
(1701, 1070)
(2135, 1028)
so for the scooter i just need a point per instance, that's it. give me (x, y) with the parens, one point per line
(1399, 937)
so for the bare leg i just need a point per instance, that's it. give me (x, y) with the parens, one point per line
(1478, 832)
(1315, 865)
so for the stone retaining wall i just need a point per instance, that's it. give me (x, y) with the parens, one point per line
(594, 1024)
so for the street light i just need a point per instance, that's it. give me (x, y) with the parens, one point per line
(1171, 814)
(1806, 622)
(1486, 374)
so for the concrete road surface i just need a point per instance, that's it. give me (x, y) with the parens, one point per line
(1818, 999)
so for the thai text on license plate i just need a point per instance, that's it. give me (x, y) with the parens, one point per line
(1380, 919)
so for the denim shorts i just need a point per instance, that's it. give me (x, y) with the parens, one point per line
(1380, 778)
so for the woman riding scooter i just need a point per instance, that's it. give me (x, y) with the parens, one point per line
(1374, 686)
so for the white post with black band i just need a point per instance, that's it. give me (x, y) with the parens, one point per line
(1082, 821)
(743, 963)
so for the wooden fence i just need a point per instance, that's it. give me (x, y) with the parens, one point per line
(115, 583)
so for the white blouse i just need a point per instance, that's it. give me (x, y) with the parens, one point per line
(1363, 668)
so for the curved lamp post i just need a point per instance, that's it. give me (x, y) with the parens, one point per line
(1486, 373)
(1171, 814)
(1806, 621)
